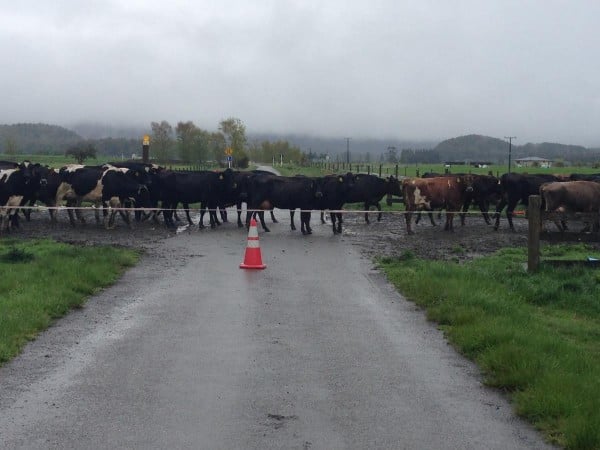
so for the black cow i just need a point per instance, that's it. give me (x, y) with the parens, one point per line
(486, 190)
(335, 190)
(585, 177)
(204, 187)
(267, 191)
(370, 189)
(517, 188)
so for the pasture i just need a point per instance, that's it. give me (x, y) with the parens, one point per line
(536, 337)
(42, 280)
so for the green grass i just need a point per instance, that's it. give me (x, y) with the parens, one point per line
(42, 280)
(534, 336)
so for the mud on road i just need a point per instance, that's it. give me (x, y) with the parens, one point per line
(385, 238)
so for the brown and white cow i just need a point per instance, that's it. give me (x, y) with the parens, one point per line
(428, 194)
(572, 197)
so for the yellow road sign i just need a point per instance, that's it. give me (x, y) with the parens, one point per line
(229, 151)
(146, 140)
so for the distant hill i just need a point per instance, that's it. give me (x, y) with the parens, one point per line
(32, 138)
(475, 147)
(336, 147)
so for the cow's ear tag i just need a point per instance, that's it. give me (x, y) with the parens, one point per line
(340, 179)
(220, 177)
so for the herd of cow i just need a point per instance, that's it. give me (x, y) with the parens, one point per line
(113, 187)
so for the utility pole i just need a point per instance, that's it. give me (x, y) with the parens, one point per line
(510, 138)
(347, 150)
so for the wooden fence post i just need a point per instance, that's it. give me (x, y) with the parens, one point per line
(534, 218)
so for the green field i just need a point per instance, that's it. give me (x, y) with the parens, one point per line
(534, 336)
(319, 169)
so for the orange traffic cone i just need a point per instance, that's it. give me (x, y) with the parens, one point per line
(252, 258)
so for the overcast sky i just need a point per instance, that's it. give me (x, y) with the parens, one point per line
(408, 69)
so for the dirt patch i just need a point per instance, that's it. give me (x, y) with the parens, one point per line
(385, 238)
(475, 238)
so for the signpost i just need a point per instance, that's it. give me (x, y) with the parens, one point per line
(229, 152)
(145, 148)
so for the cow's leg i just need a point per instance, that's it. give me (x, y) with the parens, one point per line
(484, 208)
(430, 214)
(499, 209)
(167, 212)
(323, 221)
(292, 224)
(449, 221)
(223, 213)
(305, 222)
(202, 212)
(109, 216)
(186, 207)
(333, 217)
(367, 205)
(239, 214)
(125, 215)
(27, 211)
(509, 213)
(261, 217)
(463, 213)
(408, 218)
(379, 213)
(71, 212)
(337, 216)
(212, 215)
(215, 216)
(273, 219)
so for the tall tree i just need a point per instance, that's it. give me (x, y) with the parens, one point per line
(10, 147)
(81, 152)
(186, 134)
(162, 140)
(234, 131)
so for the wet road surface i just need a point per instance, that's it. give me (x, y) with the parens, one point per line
(189, 351)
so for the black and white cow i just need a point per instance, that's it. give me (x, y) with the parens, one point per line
(109, 187)
(15, 183)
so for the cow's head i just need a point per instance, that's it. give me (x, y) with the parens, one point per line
(228, 180)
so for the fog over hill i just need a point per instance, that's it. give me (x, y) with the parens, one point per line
(27, 138)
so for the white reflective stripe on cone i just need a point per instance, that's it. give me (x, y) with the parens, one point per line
(252, 244)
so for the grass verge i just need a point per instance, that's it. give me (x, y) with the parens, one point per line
(42, 280)
(535, 336)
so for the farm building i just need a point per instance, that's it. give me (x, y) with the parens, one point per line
(533, 161)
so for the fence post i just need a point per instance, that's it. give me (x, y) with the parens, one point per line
(396, 170)
(379, 170)
(534, 219)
